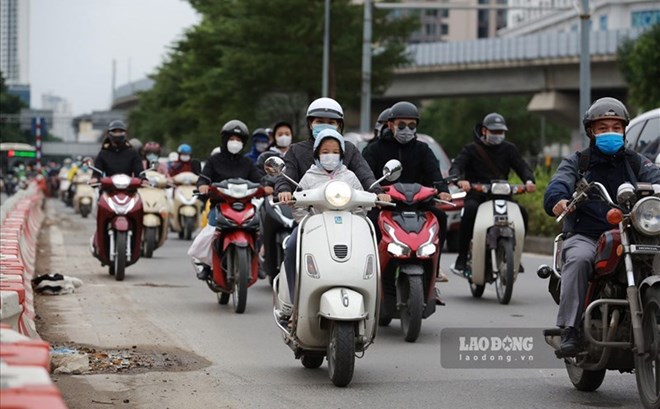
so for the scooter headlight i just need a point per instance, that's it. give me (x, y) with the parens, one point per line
(121, 181)
(645, 216)
(122, 208)
(238, 191)
(500, 189)
(396, 247)
(428, 248)
(338, 194)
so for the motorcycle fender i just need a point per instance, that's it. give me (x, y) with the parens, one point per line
(150, 220)
(411, 269)
(648, 282)
(188, 211)
(238, 238)
(342, 304)
(120, 223)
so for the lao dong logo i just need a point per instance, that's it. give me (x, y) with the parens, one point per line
(496, 344)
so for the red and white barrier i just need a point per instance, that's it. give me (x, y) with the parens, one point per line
(24, 358)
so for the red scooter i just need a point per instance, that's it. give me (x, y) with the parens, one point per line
(410, 245)
(235, 256)
(118, 236)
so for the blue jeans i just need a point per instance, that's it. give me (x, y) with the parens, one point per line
(290, 257)
(211, 218)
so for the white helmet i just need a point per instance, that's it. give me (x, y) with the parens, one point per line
(326, 108)
(215, 150)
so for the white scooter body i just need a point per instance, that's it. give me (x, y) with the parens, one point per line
(85, 196)
(341, 247)
(485, 220)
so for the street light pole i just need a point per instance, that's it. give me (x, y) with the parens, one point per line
(365, 105)
(585, 74)
(326, 50)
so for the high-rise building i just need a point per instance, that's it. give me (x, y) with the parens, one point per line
(14, 46)
(62, 125)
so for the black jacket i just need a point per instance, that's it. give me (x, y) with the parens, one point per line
(417, 160)
(300, 157)
(114, 160)
(225, 165)
(589, 218)
(469, 164)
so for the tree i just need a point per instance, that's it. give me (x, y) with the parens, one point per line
(10, 107)
(451, 122)
(639, 62)
(259, 61)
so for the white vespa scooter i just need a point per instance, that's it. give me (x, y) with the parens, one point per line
(497, 241)
(337, 288)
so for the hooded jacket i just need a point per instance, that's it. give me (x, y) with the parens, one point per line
(253, 155)
(300, 157)
(417, 160)
(589, 218)
(225, 165)
(114, 160)
(469, 164)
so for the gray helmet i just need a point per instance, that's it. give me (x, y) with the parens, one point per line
(135, 143)
(117, 124)
(235, 127)
(403, 109)
(605, 108)
(494, 122)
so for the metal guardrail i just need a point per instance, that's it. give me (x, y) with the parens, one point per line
(509, 49)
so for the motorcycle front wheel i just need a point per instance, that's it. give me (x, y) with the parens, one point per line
(341, 352)
(240, 270)
(504, 279)
(188, 226)
(413, 306)
(647, 365)
(150, 237)
(120, 257)
(85, 210)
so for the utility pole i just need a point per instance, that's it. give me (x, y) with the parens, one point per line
(326, 50)
(580, 140)
(365, 103)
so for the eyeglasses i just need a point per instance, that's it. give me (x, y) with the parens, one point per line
(411, 125)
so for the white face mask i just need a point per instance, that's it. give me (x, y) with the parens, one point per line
(494, 139)
(184, 158)
(234, 146)
(261, 146)
(329, 161)
(283, 140)
(152, 157)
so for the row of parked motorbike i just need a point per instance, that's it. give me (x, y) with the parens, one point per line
(338, 299)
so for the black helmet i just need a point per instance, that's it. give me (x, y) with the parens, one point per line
(117, 124)
(605, 108)
(403, 109)
(382, 118)
(235, 127)
(260, 131)
(494, 122)
(280, 124)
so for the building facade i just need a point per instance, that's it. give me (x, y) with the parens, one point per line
(62, 126)
(14, 46)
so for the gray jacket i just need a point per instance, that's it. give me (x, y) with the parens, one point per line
(300, 157)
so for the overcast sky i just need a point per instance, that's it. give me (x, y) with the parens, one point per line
(73, 43)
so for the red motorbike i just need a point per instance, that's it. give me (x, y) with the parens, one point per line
(410, 245)
(235, 256)
(118, 236)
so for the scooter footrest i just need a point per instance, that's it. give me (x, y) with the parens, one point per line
(551, 332)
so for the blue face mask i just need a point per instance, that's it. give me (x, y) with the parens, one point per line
(609, 143)
(316, 129)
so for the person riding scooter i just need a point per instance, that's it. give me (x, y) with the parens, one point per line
(229, 163)
(490, 157)
(116, 155)
(184, 162)
(260, 144)
(151, 154)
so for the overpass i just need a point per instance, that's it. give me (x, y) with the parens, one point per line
(544, 65)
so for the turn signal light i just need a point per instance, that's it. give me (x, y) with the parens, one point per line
(614, 216)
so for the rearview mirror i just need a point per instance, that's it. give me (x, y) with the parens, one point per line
(392, 170)
(274, 166)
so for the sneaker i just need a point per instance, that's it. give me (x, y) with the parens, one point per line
(203, 272)
(569, 342)
(461, 262)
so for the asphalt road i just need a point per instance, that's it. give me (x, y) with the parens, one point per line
(161, 303)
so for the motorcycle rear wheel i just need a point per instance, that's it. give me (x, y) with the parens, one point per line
(505, 266)
(120, 257)
(223, 298)
(85, 210)
(188, 226)
(240, 270)
(411, 314)
(311, 361)
(647, 366)
(476, 289)
(341, 352)
(584, 380)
